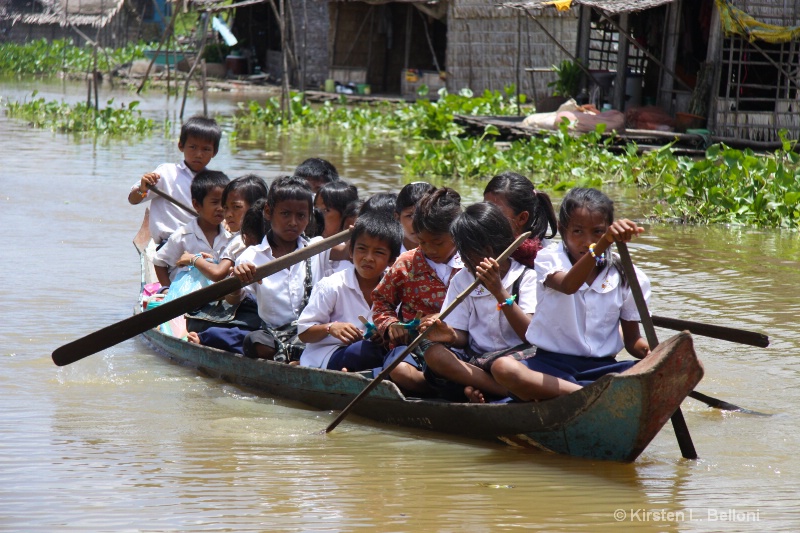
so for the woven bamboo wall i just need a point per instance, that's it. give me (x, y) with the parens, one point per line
(482, 46)
(747, 107)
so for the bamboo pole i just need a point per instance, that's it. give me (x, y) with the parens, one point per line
(285, 104)
(167, 33)
(203, 39)
(305, 51)
(205, 88)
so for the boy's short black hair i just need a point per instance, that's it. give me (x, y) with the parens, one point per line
(205, 181)
(379, 227)
(411, 194)
(381, 203)
(253, 220)
(317, 169)
(202, 127)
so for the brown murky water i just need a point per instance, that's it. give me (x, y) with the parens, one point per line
(124, 440)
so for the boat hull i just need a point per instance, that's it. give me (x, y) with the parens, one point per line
(613, 419)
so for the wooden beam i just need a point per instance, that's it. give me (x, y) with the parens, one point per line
(620, 81)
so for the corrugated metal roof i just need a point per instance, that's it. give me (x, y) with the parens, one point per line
(95, 13)
(611, 7)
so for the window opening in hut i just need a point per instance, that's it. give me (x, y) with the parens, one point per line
(750, 80)
(604, 45)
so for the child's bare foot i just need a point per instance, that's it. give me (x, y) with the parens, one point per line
(193, 337)
(474, 395)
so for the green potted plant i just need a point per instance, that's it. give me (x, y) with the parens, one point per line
(564, 87)
(214, 54)
(568, 81)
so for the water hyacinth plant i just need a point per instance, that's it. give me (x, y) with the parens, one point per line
(81, 117)
(728, 185)
(47, 57)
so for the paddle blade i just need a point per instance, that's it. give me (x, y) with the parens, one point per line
(138, 324)
(741, 336)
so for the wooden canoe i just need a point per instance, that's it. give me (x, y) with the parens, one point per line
(613, 419)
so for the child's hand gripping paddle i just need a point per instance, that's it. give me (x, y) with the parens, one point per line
(386, 371)
(139, 323)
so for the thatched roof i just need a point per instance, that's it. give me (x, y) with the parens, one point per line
(610, 7)
(95, 13)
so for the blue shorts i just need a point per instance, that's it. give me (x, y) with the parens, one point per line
(412, 359)
(361, 355)
(574, 368)
(228, 339)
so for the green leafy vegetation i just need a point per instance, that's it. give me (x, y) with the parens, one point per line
(569, 74)
(81, 117)
(48, 57)
(423, 119)
(726, 186)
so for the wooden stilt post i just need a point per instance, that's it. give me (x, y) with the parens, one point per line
(205, 89)
(203, 38)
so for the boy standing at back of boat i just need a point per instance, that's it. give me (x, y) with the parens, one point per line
(199, 142)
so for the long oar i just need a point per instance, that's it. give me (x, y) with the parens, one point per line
(175, 201)
(678, 422)
(399, 359)
(717, 332)
(139, 323)
(741, 336)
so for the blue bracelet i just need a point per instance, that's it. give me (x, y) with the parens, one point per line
(508, 301)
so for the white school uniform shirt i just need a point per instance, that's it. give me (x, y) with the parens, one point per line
(165, 217)
(190, 238)
(336, 298)
(234, 249)
(325, 265)
(444, 271)
(279, 296)
(488, 328)
(585, 323)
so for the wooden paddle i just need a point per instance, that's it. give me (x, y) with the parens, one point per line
(678, 422)
(139, 323)
(169, 198)
(740, 336)
(717, 332)
(399, 359)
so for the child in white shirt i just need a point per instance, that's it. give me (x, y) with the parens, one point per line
(282, 296)
(199, 142)
(494, 317)
(203, 238)
(583, 303)
(330, 325)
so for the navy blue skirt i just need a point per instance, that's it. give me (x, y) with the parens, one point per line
(574, 368)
